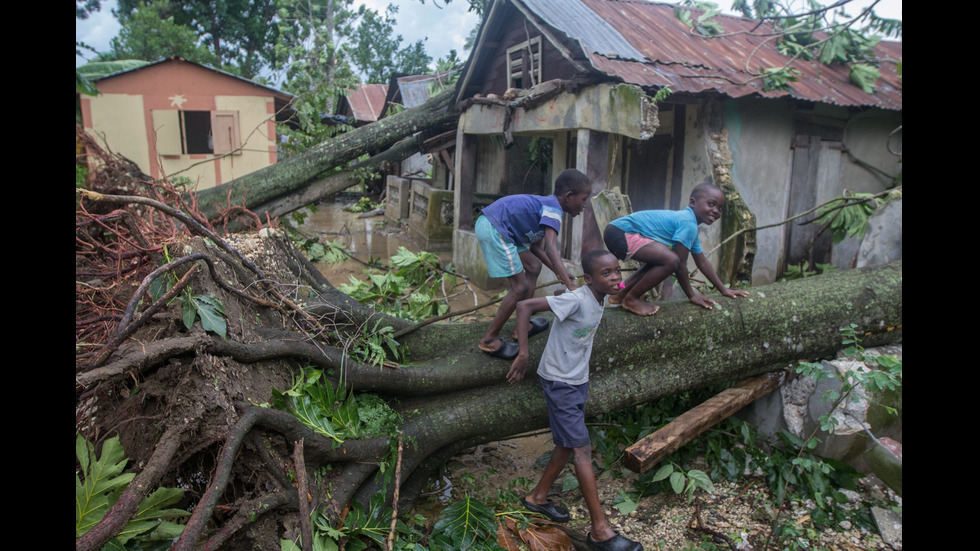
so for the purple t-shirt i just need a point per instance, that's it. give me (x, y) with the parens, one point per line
(521, 219)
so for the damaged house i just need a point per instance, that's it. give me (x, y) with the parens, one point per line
(175, 117)
(576, 79)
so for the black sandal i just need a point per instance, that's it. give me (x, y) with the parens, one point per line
(506, 350)
(537, 325)
(556, 513)
(615, 543)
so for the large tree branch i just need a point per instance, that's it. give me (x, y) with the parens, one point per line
(286, 176)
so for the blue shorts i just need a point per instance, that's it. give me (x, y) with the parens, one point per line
(566, 413)
(502, 257)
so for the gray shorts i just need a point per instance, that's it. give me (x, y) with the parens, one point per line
(566, 413)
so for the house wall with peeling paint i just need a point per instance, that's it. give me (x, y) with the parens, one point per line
(761, 138)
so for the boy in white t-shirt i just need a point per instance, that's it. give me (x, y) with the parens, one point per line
(564, 375)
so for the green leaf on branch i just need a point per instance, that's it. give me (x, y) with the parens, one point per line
(103, 481)
(835, 49)
(778, 78)
(865, 76)
(467, 524)
(209, 310)
(847, 215)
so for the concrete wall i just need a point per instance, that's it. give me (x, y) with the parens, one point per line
(118, 123)
(760, 136)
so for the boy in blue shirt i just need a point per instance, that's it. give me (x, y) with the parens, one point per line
(662, 239)
(518, 234)
(564, 376)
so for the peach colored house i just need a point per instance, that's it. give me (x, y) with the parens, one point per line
(178, 118)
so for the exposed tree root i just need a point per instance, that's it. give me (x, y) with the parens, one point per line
(248, 512)
(302, 491)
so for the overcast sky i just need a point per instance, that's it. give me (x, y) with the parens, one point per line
(443, 27)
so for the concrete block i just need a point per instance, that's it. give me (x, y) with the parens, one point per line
(430, 220)
(883, 241)
(398, 198)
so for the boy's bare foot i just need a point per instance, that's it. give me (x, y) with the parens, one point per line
(640, 307)
(617, 298)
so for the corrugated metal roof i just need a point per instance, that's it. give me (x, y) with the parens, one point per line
(414, 89)
(578, 20)
(644, 43)
(367, 101)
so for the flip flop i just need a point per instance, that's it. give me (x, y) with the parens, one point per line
(506, 350)
(556, 513)
(615, 543)
(537, 325)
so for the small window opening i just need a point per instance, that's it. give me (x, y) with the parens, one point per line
(197, 132)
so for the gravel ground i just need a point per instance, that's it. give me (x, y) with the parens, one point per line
(660, 522)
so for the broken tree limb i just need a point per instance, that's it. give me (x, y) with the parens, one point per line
(287, 175)
(302, 491)
(327, 184)
(648, 451)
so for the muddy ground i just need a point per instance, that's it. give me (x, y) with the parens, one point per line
(740, 512)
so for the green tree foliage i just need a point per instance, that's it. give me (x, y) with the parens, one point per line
(236, 33)
(413, 60)
(376, 51)
(149, 32)
(85, 7)
(828, 34)
(312, 63)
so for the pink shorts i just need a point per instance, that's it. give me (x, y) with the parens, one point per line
(635, 242)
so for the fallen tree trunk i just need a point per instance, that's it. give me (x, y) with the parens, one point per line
(328, 184)
(451, 395)
(293, 173)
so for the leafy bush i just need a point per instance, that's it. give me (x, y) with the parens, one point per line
(407, 291)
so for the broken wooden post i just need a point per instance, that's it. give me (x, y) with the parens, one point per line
(651, 449)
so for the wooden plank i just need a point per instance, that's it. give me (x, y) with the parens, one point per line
(651, 449)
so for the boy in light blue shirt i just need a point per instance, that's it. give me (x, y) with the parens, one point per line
(661, 240)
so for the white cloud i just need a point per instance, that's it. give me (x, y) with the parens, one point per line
(97, 31)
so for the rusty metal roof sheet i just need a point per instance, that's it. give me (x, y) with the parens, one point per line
(644, 43)
(367, 101)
